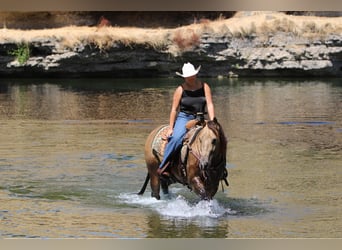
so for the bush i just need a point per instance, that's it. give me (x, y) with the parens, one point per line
(22, 53)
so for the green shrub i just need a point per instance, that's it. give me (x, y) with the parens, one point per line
(22, 53)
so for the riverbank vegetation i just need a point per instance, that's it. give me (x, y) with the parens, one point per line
(180, 39)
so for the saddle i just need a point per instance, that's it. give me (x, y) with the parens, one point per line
(159, 143)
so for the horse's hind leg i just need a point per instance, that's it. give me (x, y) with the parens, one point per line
(155, 186)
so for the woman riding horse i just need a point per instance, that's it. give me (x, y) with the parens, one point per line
(200, 164)
(203, 158)
(189, 98)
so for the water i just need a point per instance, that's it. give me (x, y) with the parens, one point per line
(71, 160)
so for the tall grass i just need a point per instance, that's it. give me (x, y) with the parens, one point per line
(178, 40)
(185, 40)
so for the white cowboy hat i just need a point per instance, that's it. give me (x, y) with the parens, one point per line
(189, 70)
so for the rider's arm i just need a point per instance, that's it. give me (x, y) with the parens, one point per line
(174, 108)
(210, 105)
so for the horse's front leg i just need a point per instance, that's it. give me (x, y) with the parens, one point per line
(198, 187)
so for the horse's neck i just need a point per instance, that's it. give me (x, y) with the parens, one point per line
(192, 134)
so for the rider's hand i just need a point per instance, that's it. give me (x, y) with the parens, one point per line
(168, 134)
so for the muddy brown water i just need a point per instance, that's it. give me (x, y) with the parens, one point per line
(71, 160)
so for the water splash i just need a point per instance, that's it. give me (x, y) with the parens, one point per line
(179, 206)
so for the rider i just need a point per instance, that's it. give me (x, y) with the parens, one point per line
(189, 98)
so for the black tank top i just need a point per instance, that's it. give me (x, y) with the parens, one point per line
(193, 101)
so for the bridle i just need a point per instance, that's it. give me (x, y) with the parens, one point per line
(205, 172)
(191, 141)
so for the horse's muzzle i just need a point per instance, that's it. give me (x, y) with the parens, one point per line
(203, 164)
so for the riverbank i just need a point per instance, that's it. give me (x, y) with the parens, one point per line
(260, 44)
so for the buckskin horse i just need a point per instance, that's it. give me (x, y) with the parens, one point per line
(200, 164)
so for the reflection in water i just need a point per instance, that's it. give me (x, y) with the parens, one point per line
(71, 152)
(54, 102)
(175, 216)
(173, 228)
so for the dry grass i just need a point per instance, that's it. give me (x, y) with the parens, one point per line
(101, 37)
(178, 40)
(266, 24)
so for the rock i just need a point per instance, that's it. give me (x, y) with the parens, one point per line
(279, 55)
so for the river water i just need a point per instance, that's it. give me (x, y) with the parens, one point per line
(71, 160)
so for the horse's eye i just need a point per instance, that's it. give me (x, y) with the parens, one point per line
(214, 141)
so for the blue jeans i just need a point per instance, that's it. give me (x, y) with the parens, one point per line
(176, 139)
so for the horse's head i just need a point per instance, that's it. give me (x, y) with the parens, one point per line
(207, 145)
(211, 144)
(209, 149)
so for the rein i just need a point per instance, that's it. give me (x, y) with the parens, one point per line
(191, 141)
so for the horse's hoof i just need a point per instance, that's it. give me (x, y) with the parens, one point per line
(156, 196)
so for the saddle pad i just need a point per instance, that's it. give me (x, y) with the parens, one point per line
(159, 141)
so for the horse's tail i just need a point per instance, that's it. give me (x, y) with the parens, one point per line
(142, 190)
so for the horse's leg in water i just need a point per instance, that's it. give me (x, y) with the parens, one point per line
(198, 187)
(164, 185)
(155, 185)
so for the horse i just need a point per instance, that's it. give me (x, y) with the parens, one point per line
(200, 164)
